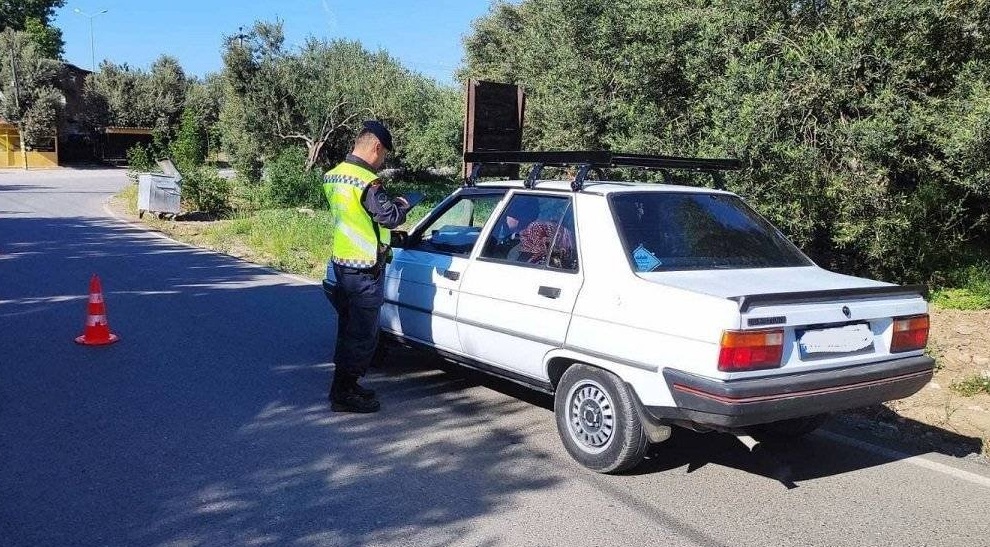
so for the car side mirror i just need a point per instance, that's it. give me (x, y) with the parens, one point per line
(399, 239)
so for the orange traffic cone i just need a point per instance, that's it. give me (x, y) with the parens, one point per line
(97, 331)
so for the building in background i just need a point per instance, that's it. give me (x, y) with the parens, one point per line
(75, 141)
(11, 156)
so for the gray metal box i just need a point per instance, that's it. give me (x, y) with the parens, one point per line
(159, 193)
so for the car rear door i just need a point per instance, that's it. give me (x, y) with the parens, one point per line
(516, 298)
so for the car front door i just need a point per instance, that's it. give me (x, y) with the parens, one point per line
(517, 297)
(423, 280)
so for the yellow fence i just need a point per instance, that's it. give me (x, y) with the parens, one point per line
(11, 156)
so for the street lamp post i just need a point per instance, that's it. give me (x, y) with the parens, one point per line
(92, 47)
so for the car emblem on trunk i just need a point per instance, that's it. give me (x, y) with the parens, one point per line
(846, 312)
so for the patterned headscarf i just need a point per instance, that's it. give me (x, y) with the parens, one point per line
(538, 237)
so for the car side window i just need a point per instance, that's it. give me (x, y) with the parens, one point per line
(536, 230)
(457, 228)
(563, 253)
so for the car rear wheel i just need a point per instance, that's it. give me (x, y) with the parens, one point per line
(597, 420)
(787, 430)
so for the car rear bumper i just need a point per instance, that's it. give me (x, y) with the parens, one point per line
(750, 401)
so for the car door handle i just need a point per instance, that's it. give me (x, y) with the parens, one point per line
(451, 275)
(549, 292)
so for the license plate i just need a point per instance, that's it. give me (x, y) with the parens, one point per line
(844, 339)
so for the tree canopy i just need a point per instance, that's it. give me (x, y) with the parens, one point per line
(119, 95)
(863, 127)
(28, 97)
(34, 17)
(318, 95)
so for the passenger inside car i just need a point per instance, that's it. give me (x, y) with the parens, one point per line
(545, 242)
(505, 238)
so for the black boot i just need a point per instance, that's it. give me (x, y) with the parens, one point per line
(350, 383)
(365, 392)
(345, 397)
(352, 402)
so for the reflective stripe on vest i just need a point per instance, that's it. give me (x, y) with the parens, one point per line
(355, 242)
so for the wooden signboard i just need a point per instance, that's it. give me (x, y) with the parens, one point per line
(493, 122)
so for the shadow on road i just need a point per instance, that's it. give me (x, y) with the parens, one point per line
(813, 457)
(19, 188)
(207, 423)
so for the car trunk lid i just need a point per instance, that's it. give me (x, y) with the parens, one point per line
(828, 319)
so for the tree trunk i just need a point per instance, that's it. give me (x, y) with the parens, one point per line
(313, 153)
(24, 154)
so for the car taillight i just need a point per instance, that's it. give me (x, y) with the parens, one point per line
(910, 333)
(750, 350)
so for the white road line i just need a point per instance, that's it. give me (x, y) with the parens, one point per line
(919, 461)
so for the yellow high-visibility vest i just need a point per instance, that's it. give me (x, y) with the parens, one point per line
(356, 236)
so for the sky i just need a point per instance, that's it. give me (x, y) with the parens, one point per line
(424, 35)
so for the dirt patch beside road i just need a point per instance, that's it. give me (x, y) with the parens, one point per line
(960, 343)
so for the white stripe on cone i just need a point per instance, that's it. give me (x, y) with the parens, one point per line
(94, 320)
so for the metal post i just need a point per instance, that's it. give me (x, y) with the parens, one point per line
(17, 103)
(13, 77)
(92, 42)
(92, 47)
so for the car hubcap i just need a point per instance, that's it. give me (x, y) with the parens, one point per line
(591, 416)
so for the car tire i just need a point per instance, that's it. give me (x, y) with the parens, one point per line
(597, 420)
(786, 430)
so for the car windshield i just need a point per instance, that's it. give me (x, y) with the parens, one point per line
(665, 231)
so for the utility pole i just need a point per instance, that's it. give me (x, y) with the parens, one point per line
(17, 101)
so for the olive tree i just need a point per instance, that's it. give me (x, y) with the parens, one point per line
(28, 97)
(121, 95)
(318, 94)
(34, 17)
(862, 126)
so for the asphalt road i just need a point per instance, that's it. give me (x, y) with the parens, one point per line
(206, 424)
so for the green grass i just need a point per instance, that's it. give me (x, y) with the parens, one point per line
(284, 239)
(969, 290)
(973, 386)
(129, 197)
(961, 299)
(289, 240)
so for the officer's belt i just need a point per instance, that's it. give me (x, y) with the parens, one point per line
(374, 270)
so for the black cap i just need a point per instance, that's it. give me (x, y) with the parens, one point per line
(379, 130)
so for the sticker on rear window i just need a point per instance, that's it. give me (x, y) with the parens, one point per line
(645, 260)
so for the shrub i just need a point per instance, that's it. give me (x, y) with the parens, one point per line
(965, 289)
(288, 184)
(205, 190)
(189, 146)
(139, 160)
(862, 127)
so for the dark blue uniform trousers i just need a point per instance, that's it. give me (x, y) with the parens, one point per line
(358, 298)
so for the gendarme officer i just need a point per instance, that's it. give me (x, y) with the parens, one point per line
(363, 213)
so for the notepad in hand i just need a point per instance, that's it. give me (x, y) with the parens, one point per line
(413, 198)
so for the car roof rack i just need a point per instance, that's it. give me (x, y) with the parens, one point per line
(588, 160)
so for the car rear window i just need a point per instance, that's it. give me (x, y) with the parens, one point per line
(664, 231)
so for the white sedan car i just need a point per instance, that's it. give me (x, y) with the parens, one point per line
(643, 306)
